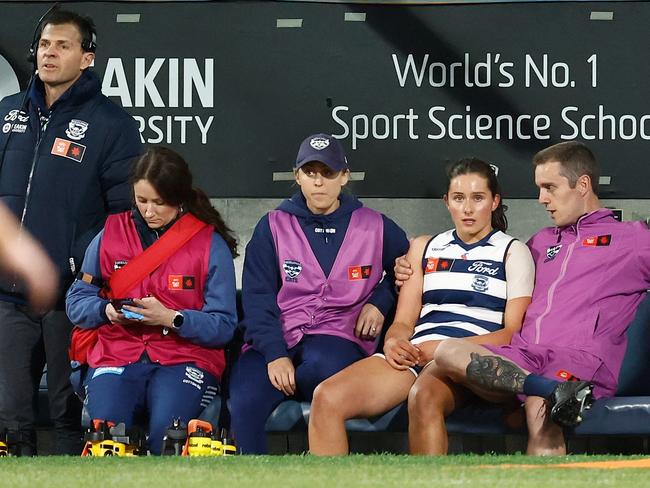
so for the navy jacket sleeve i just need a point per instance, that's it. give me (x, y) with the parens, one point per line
(212, 326)
(85, 308)
(395, 244)
(122, 148)
(260, 286)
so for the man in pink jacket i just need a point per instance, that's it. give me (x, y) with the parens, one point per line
(591, 274)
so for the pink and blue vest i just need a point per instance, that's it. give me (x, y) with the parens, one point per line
(309, 301)
(178, 283)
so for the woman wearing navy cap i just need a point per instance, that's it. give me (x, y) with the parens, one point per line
(313, 295)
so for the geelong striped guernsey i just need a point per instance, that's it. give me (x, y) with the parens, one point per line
(464, 290)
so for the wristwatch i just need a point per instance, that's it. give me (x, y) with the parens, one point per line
(178, 320)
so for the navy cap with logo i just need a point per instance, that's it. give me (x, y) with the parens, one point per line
(322, 148)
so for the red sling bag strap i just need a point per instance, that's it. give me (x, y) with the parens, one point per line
(141, 266)
(137, 269)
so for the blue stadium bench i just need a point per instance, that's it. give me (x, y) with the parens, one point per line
(626, 414)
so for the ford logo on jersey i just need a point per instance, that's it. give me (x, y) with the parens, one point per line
(483, 267)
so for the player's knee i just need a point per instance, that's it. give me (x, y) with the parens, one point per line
(423, 404)
(330, 400)
(446, 355)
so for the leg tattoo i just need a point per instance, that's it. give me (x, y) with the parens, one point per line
(495, 373)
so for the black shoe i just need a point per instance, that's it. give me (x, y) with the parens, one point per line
(68, 442)
(21, 443)
(568, 400)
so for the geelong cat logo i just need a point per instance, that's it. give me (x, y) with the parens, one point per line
(480, 283)
(76, 129)
(292, 269)
(551, 252)
(319, 143)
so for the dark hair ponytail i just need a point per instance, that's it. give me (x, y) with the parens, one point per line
(170, 175)
(199, 205)
(473, 165)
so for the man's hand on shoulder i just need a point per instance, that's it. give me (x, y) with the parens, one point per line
(403, 270)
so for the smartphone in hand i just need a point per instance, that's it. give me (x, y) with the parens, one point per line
(118, 303)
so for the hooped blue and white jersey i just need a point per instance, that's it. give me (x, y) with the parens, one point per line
(464, 290)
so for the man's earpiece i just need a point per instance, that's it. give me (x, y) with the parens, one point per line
(90, 45)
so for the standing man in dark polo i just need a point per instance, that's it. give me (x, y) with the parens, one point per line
(65, 155)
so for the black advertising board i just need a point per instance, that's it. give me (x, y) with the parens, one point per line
(235, 86)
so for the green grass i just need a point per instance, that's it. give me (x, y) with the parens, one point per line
(306, 471)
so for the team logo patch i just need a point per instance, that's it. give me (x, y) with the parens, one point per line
(194, 377)
(68, 149)
(356, 273)
(120, 263)
(175, 282)
(596, 241)
(438, 264)
(319, 143)
(566, 376)
(480, 283)
(180, 282)
(292, 269)
(551, 252)
(76, 129)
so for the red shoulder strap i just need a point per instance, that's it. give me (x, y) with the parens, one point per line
(124, 279)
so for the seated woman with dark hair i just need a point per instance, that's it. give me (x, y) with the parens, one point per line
(472, 282)
(163, 352)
